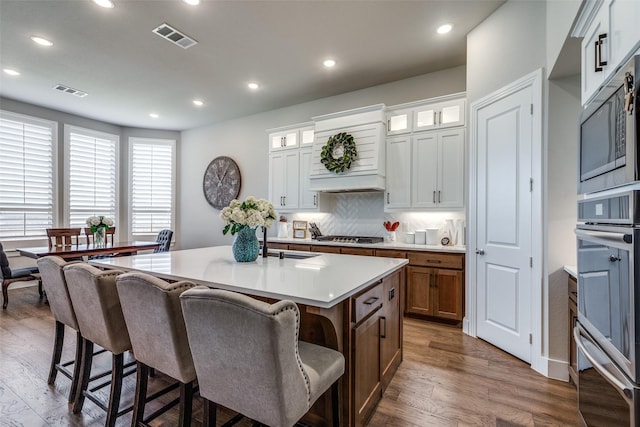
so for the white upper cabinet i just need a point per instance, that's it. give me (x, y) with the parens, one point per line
(610, 32)
(436, 113)
(398, 187)
(308, 198)
(291, 137)
(284, 180)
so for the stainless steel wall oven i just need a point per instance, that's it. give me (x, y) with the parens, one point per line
(607, 332)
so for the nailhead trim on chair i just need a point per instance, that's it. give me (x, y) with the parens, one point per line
(306, 377)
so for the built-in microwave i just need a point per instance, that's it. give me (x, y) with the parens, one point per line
(608, 152)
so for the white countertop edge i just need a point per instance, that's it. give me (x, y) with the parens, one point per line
(384, 245)
(572, 270)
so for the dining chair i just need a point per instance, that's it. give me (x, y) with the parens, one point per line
(108, 237)
(153, 314)
(164, 238)
(248, 358)
(95, 300)
(59, 237)
(10, 275)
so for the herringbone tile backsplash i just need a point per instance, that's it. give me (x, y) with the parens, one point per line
(362, 214)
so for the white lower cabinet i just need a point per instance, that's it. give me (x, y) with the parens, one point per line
(284, 180)
(425, 170)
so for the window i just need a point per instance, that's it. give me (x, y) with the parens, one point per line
(152, 178)
(26, 175)
(91, 175)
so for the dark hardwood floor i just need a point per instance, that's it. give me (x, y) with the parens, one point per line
(446, 379)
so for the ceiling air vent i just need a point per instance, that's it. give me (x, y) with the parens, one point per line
(70, 91)
(174, 36)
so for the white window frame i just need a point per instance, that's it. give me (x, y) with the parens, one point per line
(151, 141)
(17, 241)
(68, 129)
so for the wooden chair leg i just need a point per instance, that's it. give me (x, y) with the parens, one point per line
(116, 388)
(186, 404)
(335, 404)
(87, 360)
(208, 413)
(58, 341)
(77, 364)
(142, 378)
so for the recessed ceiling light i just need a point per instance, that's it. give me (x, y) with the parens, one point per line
(11, 72)
(153, 115)
(253, 85)
(329, 63)
(105, 3)
(444, 29)
(41, 41)
(192, 2)
(198, 103)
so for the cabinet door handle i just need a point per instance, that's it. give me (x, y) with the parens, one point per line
(370, 301)
(383, 329)
(387, 197)
(599, 63)
(315, 200)
(440, 117)
(284, 200)
(434, 196)
(438, 196)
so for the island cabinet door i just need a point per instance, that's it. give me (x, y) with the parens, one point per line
(420, 280)
(390, 328)
(366, 369)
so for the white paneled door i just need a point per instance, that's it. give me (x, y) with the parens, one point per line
(504, 223)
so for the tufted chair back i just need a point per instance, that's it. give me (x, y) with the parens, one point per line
(246, 354)
(164, 238)
(5, 270)
(152, 310)
(97, 305)
(55, 284)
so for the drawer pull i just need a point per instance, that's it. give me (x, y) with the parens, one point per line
(434, 261)
(370, 300)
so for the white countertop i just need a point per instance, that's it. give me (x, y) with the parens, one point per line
(385, 245)
(572, 270)
(322, 281)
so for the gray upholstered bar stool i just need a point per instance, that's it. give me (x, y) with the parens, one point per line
(153, 314)
(248, 358)
(97, 305)
(55, 286)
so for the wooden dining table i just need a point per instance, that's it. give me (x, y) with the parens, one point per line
(88, 249)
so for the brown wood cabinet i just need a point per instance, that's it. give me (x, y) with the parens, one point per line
(436, 292)
(377, 337)
(573, 315)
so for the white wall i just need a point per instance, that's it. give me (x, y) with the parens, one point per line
(519, 38)
(564, 113)
(245, 140)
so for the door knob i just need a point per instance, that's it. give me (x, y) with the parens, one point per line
(480, 251)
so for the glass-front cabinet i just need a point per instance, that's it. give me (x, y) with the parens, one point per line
(436, 113)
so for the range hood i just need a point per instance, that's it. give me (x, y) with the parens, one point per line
(367, 172)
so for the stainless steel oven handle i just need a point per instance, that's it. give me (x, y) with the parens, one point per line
(626, 389)
(605, 236)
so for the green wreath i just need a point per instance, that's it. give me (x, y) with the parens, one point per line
(341, 140)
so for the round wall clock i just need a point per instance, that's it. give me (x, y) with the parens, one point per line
(221, 183)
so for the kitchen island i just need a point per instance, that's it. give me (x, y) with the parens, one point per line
(347, 302)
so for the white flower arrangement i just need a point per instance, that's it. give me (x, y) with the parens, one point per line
(100, 221)
(251, 213)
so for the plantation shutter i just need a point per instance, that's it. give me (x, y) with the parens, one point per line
(92, 175)
(26, 176)
(152, 181)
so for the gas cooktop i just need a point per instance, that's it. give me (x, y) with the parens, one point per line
(350, 239)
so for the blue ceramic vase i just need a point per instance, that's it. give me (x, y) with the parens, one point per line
(245, 245)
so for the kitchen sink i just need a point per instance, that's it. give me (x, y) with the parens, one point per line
(291, 255)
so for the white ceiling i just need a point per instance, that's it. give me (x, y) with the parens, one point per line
(130, 72)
